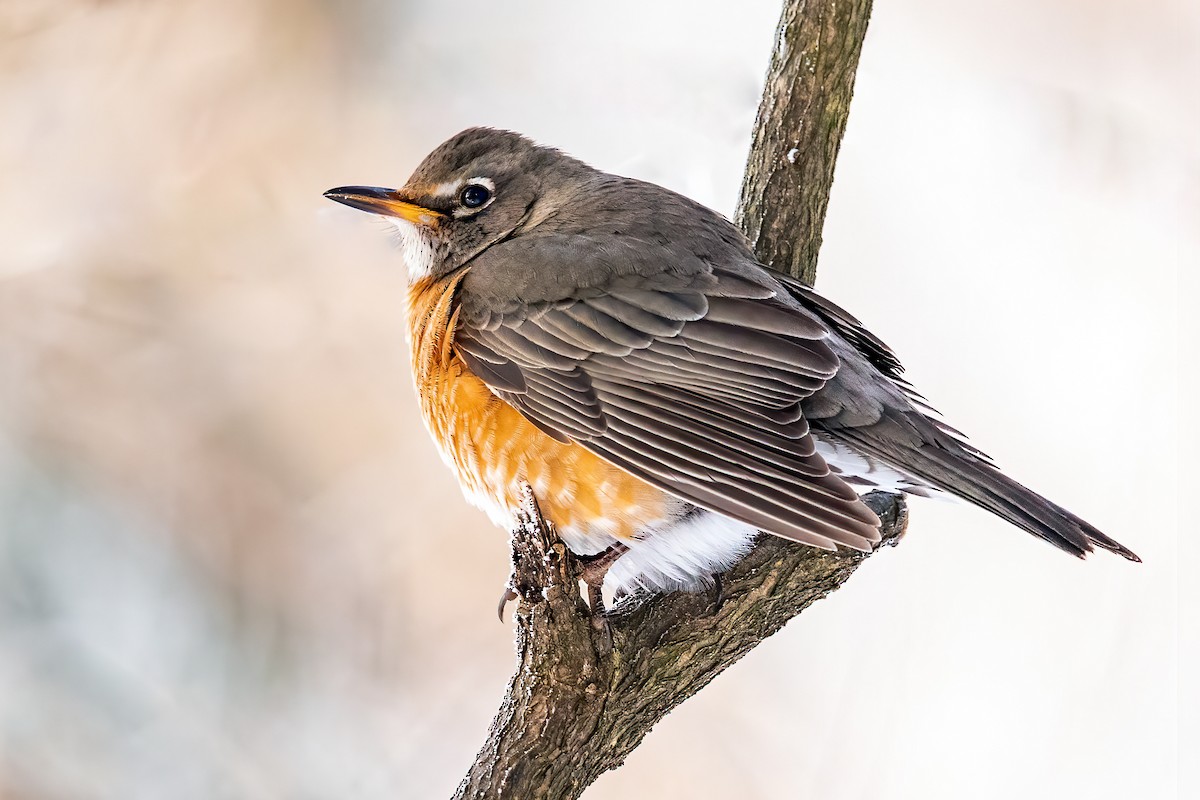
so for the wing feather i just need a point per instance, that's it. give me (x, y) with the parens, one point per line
(693, 382)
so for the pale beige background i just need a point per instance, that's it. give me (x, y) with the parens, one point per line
(231, 565)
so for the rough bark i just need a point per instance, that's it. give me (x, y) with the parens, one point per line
(801, 119)
(588, 688)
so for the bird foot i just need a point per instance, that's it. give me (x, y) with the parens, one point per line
(718, 593)
(594, 569)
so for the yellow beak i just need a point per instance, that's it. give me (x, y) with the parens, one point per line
(386, 202)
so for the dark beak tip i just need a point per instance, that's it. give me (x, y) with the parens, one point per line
(385, 203)
(371, 192)
(340, 195)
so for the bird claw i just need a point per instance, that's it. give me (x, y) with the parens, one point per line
(593, 572)
(506, 596)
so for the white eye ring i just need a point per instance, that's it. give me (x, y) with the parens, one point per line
(474, 195)
(484, 186)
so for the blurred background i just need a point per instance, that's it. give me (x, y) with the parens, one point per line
(231, 564)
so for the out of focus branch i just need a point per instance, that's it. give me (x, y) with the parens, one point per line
(588, 689)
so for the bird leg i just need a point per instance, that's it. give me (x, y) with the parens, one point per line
(719, 599)
(595, 567)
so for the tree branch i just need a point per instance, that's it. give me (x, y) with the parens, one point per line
(801, 119)
(588, 689)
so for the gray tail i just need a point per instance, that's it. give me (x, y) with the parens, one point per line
(966, 476)
(987, 487)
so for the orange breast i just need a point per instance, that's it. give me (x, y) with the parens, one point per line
(494, 450)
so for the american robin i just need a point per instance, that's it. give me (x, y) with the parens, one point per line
(617, 347)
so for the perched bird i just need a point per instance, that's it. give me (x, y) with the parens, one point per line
(617, 347)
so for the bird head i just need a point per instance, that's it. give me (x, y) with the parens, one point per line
(478, 188)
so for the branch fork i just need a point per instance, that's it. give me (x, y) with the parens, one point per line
(584, 695)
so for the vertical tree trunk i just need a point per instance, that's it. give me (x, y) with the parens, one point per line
(801, 119)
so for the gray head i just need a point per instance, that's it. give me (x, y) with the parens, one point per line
(475, 189)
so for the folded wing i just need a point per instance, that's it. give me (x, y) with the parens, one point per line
(691, 379)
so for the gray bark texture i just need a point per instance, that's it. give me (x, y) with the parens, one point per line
(588, 688)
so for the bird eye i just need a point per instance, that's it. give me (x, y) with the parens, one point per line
(474, 195)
